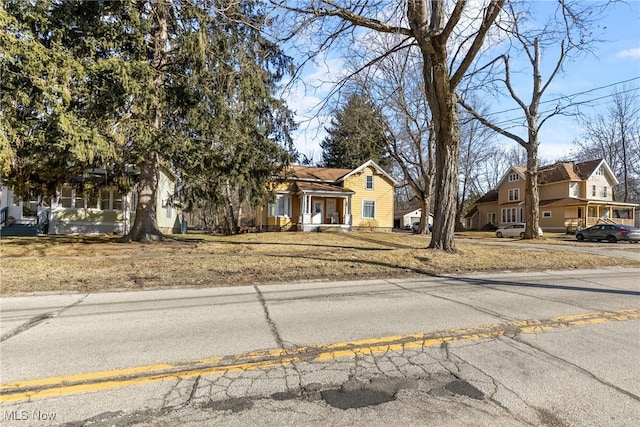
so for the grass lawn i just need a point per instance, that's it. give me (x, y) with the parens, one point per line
(90, 264)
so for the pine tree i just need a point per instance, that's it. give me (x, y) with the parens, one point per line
(357, 134)
(188, 85)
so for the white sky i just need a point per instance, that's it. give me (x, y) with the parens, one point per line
(615, 61)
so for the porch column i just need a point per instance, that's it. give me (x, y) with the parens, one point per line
(347, 216)
(306, 209)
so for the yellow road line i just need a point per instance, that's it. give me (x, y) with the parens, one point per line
(94, 381)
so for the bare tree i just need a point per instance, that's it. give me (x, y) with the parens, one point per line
(475, 151)
(567, 30)
(395, 83)
(615, 136)
(431, 27)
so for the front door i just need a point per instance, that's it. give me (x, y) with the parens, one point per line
(318, 212)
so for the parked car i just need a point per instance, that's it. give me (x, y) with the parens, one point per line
(416, 225)
(514, 230)
(610, 232)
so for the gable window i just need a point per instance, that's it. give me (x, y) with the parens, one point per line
(605, 192)
(368, 209)
(600, 171)
(369, 182)
(593, 191)
(514, 194)
(513, 177)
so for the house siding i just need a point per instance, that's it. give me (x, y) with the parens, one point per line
(382, 193)
(556, 190)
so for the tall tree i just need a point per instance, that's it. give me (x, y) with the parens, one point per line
(567, 31)
(187, 84)
(357, 134)
(431, 26)
(395, 83)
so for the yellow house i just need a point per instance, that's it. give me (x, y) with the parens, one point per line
(314, 198)
(572, 196)
(71, 211)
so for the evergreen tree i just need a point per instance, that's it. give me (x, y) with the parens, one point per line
(113, 84)
(358, 133)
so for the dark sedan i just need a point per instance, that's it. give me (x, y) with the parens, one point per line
(610, 232)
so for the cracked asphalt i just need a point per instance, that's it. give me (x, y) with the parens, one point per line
(547, 348)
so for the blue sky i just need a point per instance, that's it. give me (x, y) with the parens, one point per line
(614, 61)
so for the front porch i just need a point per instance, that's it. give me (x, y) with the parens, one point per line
(313, 207)
(619, 214)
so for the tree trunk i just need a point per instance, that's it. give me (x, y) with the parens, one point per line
(442, 102)
(145, 228)
(532, 196)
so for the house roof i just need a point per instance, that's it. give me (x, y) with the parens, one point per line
(558, 172)
(313, 173)
(319, 187)
(490, 196)
(563, 171)
(331, 175)
(472, 212)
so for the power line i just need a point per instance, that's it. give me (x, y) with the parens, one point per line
(564, 97)
(575, 104)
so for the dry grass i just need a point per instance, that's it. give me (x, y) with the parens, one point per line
(89, 264)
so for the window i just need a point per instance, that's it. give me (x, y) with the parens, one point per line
(600, 171)
(91, 201)
(16, 200)
(369, 182)
(605, 192)
(491, 218)
(117, 201)
(514, 194)
(546, 214)
(78, 200)
(513, 177)
(281, 207)
(573, 189)
(368, 209)
(593, 190)
(509, 215)
(66, 197)
(105, 199)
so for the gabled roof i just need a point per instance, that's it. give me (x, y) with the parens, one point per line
(369, 163)
(563, 171)
(517, 169)
(331, 175)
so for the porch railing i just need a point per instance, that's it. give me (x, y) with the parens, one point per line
(573, 224)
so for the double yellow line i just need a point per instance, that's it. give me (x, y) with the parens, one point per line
(94, 381)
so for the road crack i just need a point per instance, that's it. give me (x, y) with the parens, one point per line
(36, 320)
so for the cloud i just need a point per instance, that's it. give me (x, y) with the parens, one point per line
(629, 53)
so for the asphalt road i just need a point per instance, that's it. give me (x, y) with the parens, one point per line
(549, 348)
